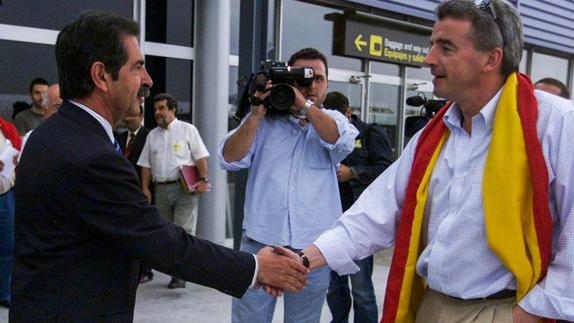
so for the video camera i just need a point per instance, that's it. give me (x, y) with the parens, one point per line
(430, 106)
(282, 76)
(282, 96)
(414, 123)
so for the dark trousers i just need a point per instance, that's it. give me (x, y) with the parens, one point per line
(6, 243)
(364, 300)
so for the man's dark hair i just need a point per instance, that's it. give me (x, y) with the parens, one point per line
(95, 36)
(37, 81)
(309, 53)
(336, 101)
(554, 82)
(495, 23)
(171, 101)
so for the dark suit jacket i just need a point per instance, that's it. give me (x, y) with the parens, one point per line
(139, 142)
(82, 223)
(367, 161)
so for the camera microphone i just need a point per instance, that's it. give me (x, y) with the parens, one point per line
(416, 101)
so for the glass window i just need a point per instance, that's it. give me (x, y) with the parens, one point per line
(422, 73)
(352, 91)
(170, 22)
(384, 107)
(19, 68)
(50, 14)
(175, 77)
(271, 31)
(385, 68)
(549, 66)
(234, 27)
(522, 66)
(308, 28)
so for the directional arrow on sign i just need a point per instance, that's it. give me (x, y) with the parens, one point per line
(359, 42)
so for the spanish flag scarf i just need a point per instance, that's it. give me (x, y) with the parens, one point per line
(515, 195)
(9, 131)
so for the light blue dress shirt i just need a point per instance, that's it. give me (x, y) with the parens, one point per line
(292, 193)
(457, 260)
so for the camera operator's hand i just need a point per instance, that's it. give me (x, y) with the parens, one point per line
(299, 101)
(260, 110)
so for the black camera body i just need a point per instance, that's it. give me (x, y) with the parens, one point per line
(282, 96)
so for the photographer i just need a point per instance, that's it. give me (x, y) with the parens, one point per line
(292, 194)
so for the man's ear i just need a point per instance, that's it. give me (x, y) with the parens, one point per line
(100, 76)
(494, 60)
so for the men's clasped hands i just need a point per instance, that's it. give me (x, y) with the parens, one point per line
(280, 269)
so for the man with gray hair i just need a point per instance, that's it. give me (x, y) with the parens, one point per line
(172, 144)
(480, 205)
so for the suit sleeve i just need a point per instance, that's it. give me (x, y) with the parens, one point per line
(111, 204)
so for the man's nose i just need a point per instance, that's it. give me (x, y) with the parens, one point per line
(147, 79)
(429, 59)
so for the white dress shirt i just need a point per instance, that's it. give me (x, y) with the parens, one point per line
(457, 260)
(167, 149)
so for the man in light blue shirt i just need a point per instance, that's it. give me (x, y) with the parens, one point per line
(474, 49)
(292, 194)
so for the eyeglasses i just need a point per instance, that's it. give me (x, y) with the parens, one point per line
(487, 5)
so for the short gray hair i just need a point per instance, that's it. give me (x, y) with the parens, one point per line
(503, 29)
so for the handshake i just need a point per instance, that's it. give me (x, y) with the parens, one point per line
(280, 269)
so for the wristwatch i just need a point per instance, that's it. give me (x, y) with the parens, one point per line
(203, 179)
(304, 259)
(306, 108)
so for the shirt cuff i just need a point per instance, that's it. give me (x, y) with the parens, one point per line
(338, 259)
(254, 280)
(342, 126)
(539, 302)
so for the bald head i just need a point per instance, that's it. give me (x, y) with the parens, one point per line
(53, 100)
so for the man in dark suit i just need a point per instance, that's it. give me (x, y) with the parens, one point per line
(132, 142)
(82, 223)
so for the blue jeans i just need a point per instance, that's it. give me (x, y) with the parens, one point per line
(301, 307)
(6, 243)
(364, 300)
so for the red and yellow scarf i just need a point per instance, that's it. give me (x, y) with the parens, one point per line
(515, 194)
(9, 131)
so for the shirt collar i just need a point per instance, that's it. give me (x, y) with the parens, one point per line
(453, 117)
(135, 132)
(105, 124)
(170, 125)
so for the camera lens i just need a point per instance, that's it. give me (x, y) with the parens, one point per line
(282, 97)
